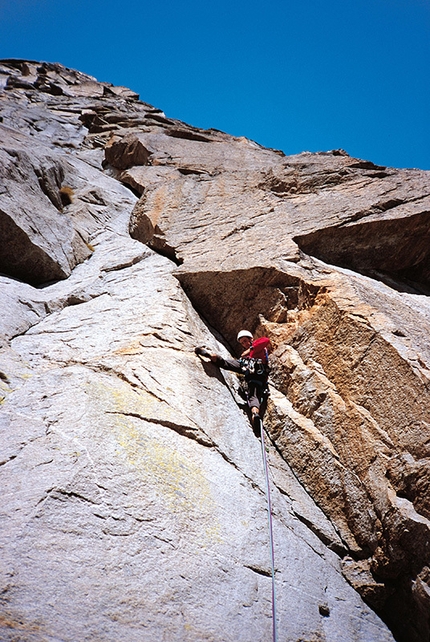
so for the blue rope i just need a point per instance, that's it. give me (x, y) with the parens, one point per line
(269, 515)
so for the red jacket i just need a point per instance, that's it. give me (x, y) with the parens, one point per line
(259, 349)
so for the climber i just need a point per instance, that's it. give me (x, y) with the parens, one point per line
(254, 364)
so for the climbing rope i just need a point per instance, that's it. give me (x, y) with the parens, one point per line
(269, 515)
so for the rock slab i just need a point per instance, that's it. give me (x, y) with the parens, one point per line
(134, 501)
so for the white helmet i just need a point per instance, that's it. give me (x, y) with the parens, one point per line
(244, 333)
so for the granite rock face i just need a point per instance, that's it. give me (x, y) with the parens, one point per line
(133, 490)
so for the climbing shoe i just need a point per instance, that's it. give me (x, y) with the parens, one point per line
(202, 352)
(255, 419)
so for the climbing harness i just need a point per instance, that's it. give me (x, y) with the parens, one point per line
(255, 374)
(250, 367)
(269, 516)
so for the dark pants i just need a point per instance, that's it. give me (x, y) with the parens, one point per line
(256, 393)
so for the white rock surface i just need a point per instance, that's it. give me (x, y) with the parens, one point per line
(133, 498)
(133, 491)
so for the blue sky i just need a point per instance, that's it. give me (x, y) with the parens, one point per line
(306, 75)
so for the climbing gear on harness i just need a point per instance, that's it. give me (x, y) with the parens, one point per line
(255, 379)
(244, 333)
(253, 366)
(269, 516)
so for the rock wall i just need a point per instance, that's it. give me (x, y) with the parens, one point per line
(133, 490)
